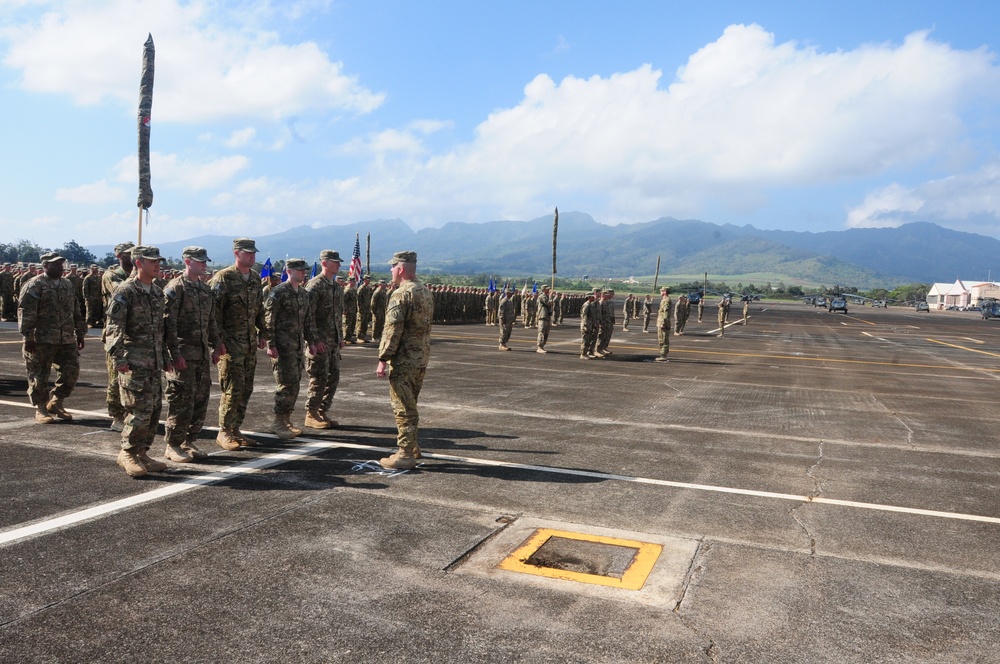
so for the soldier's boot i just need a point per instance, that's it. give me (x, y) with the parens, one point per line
(328, 419)
(403, 459)
(314, 419)
(241, 438)
(417, 454)
(117, 424)
(131, 464)
(585, 357)
(192, 450)
(279, 427)
(226, 441)
(55, 407)
(151, 464)
(42, 416)
(541, 349)
(291, 427)
(176, 453)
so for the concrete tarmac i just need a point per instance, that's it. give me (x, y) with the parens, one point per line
(811, 487)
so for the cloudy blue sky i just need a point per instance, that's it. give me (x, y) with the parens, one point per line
(268, 115)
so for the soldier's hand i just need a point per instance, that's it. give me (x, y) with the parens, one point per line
(169, 367)
(122, 368)
(180, 363)
(262, 343)
(380, 369)
(29, 345)
(218, 352)
(79, 343)
(272, 353)
(318, 349)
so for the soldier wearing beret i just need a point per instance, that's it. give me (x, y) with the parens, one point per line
(239, 313)
(194, 345)
(49, 319)
(664, 323)
(7, 309)
(403, 355)
(290, 328)
(134, 340)
(326, 299)
(110, 280)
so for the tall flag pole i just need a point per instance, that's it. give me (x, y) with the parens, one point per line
(145, 110)
(355, 269)
(368, 253)
(555, 231)
(657, 277)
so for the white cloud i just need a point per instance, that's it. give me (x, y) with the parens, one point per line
(97, 193)
(172, 172)
(205, 70)
(240, 137)
(967, 201)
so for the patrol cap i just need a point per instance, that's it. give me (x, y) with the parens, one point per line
(199, 254)
(330, 255)
(597, 290)
(403, 257)
(296, 264)
(73, 266)
(123, 248)
(93, 265)
(149, 253)
(50, 257)
(610, 291)
(546, 287)
(244, 244)
(664, 289)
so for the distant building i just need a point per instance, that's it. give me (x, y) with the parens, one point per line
(962, 293)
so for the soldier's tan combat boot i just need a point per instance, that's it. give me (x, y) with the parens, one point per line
(314, 419)
(226, 441)
(279, 427)
(328, 420)
(193, 451)
(131, 464)
(55, 407)
(403, 459)
(291, 427)
(243, 440)
(151, 464)
(117, 424)
(540, 350)
(42, 416)
(177, 454)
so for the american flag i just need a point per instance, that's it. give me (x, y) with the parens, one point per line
(355, 269)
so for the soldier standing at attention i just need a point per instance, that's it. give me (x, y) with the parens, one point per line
(663, 323)
(351, 311)
(746, 309)
(326, 301)
(647, 312)
(134, 340)
(722, 316)
(93, 302)
(289, 323)
(380, 298)
(404, 353)
(364, 308)
(680, 315)
(77, 282)
(628, 311)
(588, 325)
(239, 311)
(7, 309)
(607, 322)
(53, 329)
(192, 339)
(110, 280)
(543, 314)
(506, 314)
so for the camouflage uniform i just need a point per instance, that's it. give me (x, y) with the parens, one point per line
(92, 299)
(681, 310)
(288, 321)
(647, 313)
(47, 313)
(326, 299)
(588, 327)
(406, 348)
(664, 323)
(134, 337)
(350, 313)
(607, 323)
(239, 310)
(364, 309)
(110, 281)
(723, 313)
(77, 282)
(380, 300)
(506, 314)
(544, 315)
(191, 332)
(8, 311)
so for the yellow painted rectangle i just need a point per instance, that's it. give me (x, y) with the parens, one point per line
(632, 579)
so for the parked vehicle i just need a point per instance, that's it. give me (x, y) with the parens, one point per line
(837, 304)
(923, 306)
(990, 310)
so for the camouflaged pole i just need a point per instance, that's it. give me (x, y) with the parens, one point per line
(555, 232)
(657, 276)
(145, 109)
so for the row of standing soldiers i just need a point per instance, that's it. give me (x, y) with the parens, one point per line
(86, 289)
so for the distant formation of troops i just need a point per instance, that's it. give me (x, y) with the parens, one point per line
(177, 324)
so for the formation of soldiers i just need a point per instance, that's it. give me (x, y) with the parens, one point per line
(175, 324)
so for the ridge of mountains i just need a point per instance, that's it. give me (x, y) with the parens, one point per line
(863, 257)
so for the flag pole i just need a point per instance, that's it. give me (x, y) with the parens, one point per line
(555, 232)
(656, 278)
(145, 109)
(368, 253)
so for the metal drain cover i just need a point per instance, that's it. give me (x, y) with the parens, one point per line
(581, 556)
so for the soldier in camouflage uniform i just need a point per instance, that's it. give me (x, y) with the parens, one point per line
(380, 299)
(606, 326)
(92, 299)
(194, 345)
(681, 311)
(110, 280)
(588, 325)
(365, 291)
(647, 312)
(664, 323)
(723, 315)
(326, 299)
(20, 279)
(543, 310)
(77, 282)
(288, 320)
(405, 350)
(49, 320)
(134, 339)
(239, 311)
(351, 311)
(506, 314)
(7, 309)
(628, 311)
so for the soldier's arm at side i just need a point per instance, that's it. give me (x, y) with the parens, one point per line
(114, 338)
